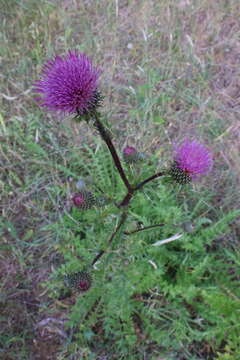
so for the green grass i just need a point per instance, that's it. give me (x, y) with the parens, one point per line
(169, 69)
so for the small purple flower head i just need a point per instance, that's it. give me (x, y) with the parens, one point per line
(83, 200)
(129, 150)
(131, 155)
(192, 160)
(69, 84)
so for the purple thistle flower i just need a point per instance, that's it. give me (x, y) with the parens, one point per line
(192, 160)
(69, 84)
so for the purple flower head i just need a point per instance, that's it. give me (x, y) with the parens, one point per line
(69, 84)
(78, 200)
(129, 150)
(83, 200)
(130, 154)
(192, 160)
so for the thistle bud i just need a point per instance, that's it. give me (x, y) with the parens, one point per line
(188, 227)
(179, 175)
(80, 281)
(83, 200)
(131, 155)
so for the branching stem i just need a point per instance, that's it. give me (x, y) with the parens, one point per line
(131, 190)
(130, 193)
(153, 177)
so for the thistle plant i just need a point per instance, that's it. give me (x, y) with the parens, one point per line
(112, 235)
(70, 84)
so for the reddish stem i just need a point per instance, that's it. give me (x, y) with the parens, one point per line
(105, 136)
(155, 176)
(126, 199)
(131, 192)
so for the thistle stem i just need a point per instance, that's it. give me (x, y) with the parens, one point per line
(120, 224)
(153, 177)
(131, 192)
(126, 199)
(105, 136)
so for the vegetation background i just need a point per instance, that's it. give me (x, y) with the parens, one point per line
(185, 54)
